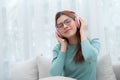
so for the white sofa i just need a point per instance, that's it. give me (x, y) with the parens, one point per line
(116, 69)
(38, 67)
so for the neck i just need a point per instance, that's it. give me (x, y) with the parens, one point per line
(73, 40)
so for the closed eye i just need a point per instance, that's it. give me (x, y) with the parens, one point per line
(67, 21)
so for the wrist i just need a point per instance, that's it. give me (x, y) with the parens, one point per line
(83, 35)
(63, 48)
(82, 32)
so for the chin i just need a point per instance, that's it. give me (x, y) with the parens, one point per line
(69, 35)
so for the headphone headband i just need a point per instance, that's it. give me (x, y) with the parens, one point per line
(70, 11)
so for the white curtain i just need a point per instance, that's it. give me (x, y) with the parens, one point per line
(27, 27)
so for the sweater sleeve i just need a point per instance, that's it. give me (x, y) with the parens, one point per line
(90, 49)
(57, 62)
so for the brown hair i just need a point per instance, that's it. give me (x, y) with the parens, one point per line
(78, 56)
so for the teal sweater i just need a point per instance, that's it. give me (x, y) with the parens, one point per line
(63, 64)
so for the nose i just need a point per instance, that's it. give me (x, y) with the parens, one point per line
(65, 26)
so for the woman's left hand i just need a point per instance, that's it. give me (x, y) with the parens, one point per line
(83, 26)
(83, 29)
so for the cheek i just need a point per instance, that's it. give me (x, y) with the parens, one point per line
(74, 25)
(73, 32)
(74, 28)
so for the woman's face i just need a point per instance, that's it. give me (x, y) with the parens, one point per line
(66, 26)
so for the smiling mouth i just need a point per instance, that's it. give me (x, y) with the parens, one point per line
(67, 30)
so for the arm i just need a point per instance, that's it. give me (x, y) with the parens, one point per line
(57, 62)
(90, 49)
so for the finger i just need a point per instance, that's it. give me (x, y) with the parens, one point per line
(56, 35)
(82, 21)
(59, 38)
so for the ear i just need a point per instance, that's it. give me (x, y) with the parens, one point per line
(77, 22)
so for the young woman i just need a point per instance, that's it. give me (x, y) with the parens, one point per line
(75, 56)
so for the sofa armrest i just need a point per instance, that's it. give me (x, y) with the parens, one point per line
(116, 68)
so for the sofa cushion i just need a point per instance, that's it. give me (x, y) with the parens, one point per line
(116, 68)
(26, 70)
(57, 78)
(44, 62)
(104, 68)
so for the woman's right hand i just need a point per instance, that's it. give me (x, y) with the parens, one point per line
(62, 42)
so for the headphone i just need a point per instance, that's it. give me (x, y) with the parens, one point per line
(77, 22)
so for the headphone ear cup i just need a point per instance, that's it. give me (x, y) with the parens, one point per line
(77, 21)
(58, 33)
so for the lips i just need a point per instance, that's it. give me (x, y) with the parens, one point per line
(67, 30)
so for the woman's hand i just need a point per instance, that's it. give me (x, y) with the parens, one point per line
(62, 42)
(83, 29)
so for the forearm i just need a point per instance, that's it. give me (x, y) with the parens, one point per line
(90, 49)
(57, 65)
